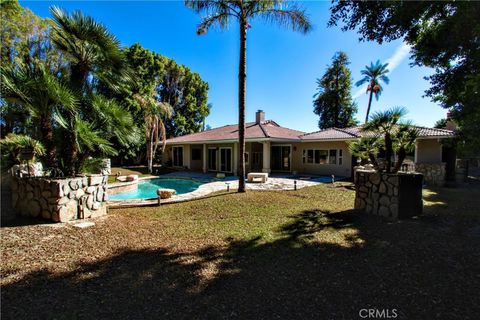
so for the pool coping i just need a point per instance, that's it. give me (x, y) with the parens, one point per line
(200, 192)
(211, 187)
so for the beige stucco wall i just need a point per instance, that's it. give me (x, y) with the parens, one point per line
(296, 157)
(343, 170)
(428, 151)
(196, 165)
(167, 154)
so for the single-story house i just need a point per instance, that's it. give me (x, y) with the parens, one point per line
(270, 147)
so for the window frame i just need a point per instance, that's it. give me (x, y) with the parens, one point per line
(313, 156)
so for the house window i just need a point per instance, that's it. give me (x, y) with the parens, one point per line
(319, 156)
(340, 157)
(177, 156)
(332, 156)
(196, 154)
(309, 156)
(246, 157)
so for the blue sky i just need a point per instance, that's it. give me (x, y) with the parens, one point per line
(282, 66)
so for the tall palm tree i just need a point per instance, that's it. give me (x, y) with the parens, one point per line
(373, 75)
(37, 89)
(155, 132)
(386, 124)
(94, 55)
(219, 13)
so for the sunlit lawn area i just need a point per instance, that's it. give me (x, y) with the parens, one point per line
(299, 254)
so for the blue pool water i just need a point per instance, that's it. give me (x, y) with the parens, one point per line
(148, 189)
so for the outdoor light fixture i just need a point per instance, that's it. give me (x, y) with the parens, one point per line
(228, 186)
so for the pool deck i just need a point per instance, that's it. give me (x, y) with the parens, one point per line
(275, 182)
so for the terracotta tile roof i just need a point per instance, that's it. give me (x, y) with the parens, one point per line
(356, 132)
(274, 131)
(271, 130)
(266, 129)
(330, 134)
(434, 132)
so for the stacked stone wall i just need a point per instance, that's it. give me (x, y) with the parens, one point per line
(380, 193)
(60, 200)
(433, 173)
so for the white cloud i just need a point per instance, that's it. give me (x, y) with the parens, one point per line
(398, 56)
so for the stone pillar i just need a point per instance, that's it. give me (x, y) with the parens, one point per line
(106, 167)
(186, 156)
(266, 157)
(355, 172)
(415, 156)
(204, 158)
(392, 196)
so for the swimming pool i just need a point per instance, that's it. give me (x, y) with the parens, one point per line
(148, 189)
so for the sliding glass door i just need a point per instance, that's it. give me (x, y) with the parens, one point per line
(226, 159)
(280, 158)
(212, 159)
(177, 157)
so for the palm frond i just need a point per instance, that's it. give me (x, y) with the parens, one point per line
(362, 81)
(292, 17)
(383, 121)
(90, 139)
(14, 144)
(220, 19)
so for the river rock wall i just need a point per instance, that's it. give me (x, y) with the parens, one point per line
(392, 196)
(433, 173)
(60, 200)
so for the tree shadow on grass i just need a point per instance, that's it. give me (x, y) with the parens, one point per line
(322, 266)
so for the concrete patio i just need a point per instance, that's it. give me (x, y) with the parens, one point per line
(212, 184)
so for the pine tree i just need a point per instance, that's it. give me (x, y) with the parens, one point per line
(333, 101)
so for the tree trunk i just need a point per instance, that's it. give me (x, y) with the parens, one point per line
(373, 160)
(47, 138)
(388, 152)
(401, 155)
(369, 105)
(242, 77)
(72, 153)
(150, 151)
(77, 79)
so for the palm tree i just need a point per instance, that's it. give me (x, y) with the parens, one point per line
(386, 124)
(15, 144)
(37, 89)
(94, 55)
(153, 113)
(372, 75)
(219, 13)
(404, 142)
(366, 148)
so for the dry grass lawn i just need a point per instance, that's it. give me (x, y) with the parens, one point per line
(259, 255)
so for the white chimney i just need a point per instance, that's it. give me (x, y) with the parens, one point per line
(259, 116)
